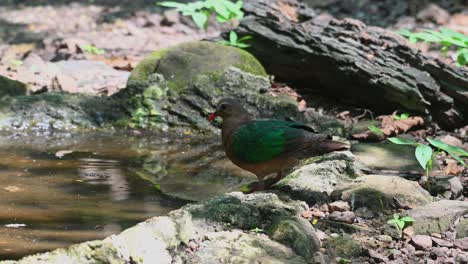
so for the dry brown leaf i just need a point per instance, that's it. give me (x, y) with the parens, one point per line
(391, 127)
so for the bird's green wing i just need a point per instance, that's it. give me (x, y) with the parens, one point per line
(263, 140)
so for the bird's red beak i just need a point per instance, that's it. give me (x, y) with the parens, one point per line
(212, 116)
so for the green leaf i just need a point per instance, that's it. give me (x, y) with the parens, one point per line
(242, 45)
(462, 57)
(222, 19)
(244, 38)
(375, 130)
(171, 4)
(396, 216)
(402, 141)
(402, 116)
(407, 219)
(404, 32)
(423, 155)
(446, 147)
(400, 224)
(200, 19)
(233, 37)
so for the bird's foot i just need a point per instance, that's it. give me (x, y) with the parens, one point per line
(254, 187)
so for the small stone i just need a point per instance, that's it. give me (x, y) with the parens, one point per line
(365, 213)
(318, 214)
(462, 258)
(346, 217)
(442, 242)
(434, 13)
(395, 254)
(439, 251)
(321, 235)
(422, 242)
(339, 206)
(377, 256)
(437, 235)
(324, 208)
(461, 243)
(408, 232)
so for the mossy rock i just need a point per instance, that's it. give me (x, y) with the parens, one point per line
(343, 246)
(181, 64)
(296, 233)
(10, 87)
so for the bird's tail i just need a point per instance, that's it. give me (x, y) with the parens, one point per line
(326, 146)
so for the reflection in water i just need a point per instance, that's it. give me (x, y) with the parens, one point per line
(105, 185)
(105, 172)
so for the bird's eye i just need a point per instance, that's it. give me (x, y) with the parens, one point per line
(223, 106)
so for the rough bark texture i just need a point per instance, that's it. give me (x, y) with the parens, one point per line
(352, 62)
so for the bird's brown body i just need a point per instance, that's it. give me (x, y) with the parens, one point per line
(281, 145)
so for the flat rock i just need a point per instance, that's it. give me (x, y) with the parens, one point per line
(379, 192)
(422, 242)
(315, 181)
(437, 217)
(461, 243)
(343, 246)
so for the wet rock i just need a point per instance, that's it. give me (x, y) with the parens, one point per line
(10, 87)
(437, 217)
(462, 228)
(314, 181)
(346, 217)
(339, 206)
(461, 243)
(378, 193)
(422, 242)
(297, 233)
(343, 246)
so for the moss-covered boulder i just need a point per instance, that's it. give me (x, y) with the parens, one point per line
(343, 246)
(10, 87)
(297, 233)
(178, 87)
(378, 192)
(182, 63)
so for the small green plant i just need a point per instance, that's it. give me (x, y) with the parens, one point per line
(200, 11)
(376, 130)
(91, 49)
(400, 222)
(425, 155)
(257, 230)
(401, 116)
(343, 261)
(446, 37)
(235, 41)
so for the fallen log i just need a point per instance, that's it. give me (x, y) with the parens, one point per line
(353, 63)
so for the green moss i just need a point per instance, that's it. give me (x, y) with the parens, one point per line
(147, 66)
(250, 64)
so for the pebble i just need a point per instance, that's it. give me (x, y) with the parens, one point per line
(339, 206)
(346, 217)
(439, 251)
(422, 242)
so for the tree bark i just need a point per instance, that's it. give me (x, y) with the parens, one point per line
(353, 63)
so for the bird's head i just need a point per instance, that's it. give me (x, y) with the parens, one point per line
(227, 108)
